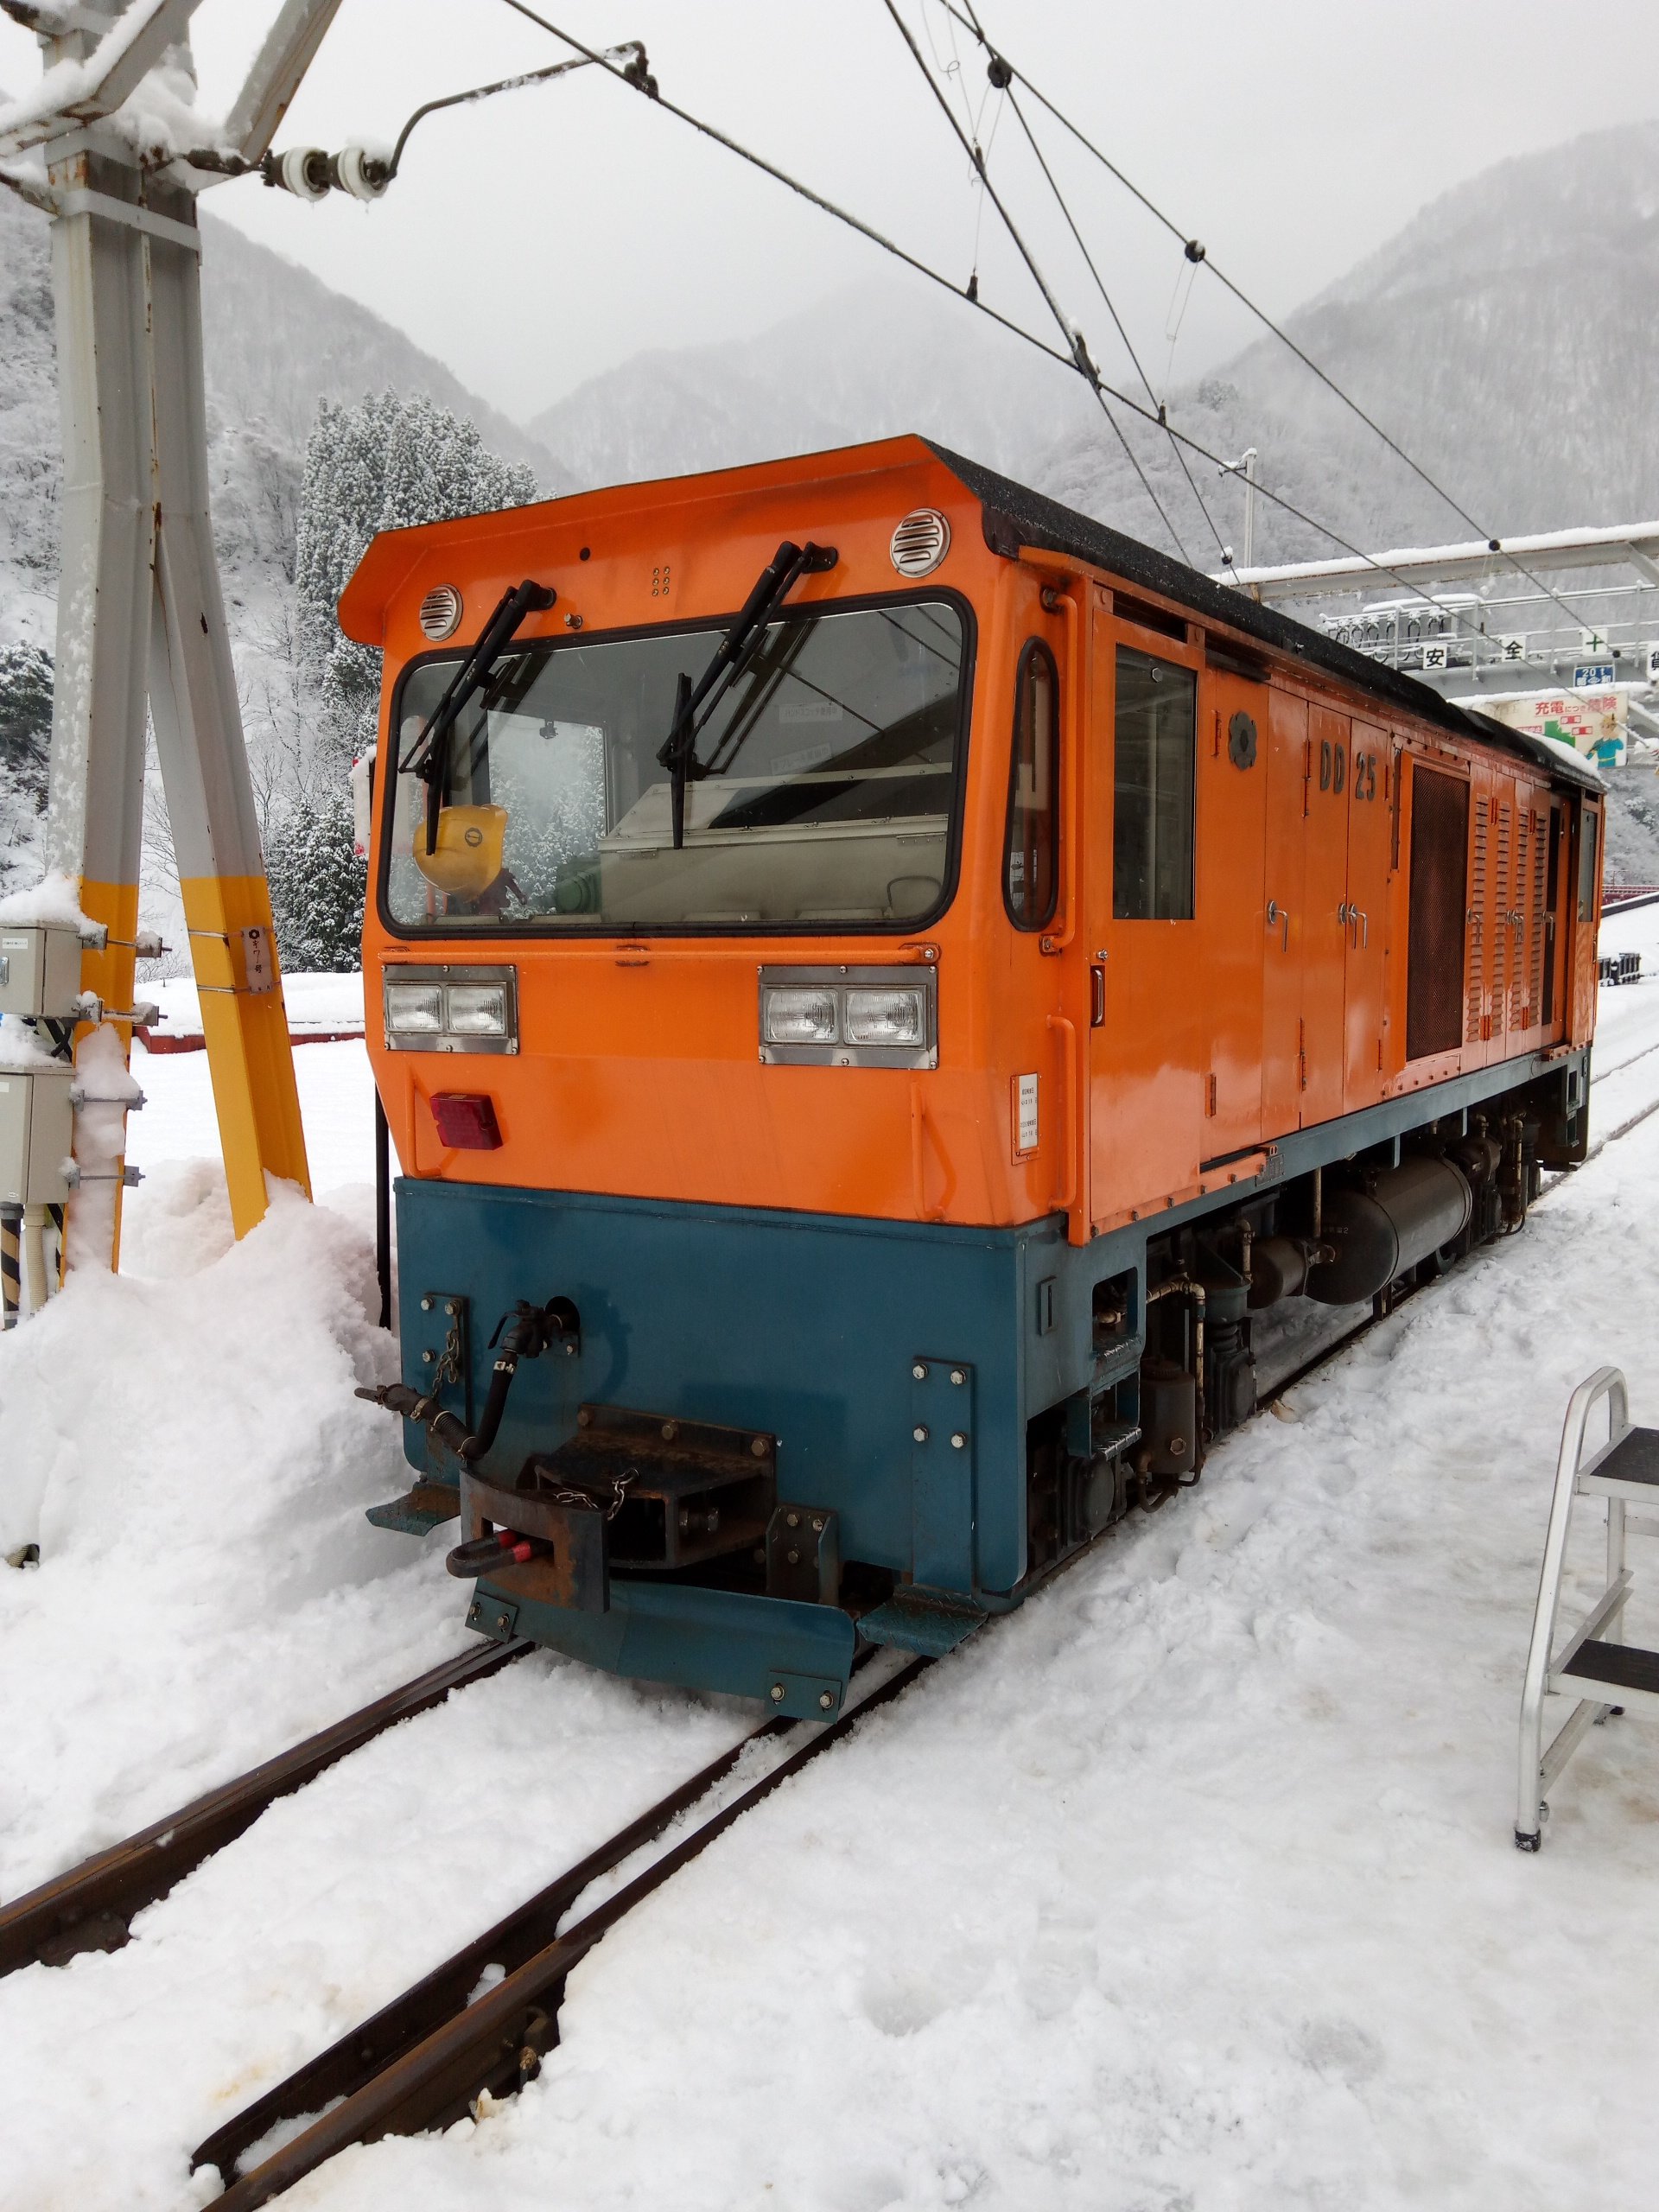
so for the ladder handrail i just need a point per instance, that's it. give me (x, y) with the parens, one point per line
(1607, 1383)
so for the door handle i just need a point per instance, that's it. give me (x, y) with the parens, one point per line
(1097, 996)
(1276, 914)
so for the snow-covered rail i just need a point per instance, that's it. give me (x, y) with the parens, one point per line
(89, 1907)
(426, 2059)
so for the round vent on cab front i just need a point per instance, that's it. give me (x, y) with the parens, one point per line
(920, 542)
(441, 611)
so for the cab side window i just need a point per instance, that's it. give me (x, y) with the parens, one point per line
(1156, 736)
(1031, 875)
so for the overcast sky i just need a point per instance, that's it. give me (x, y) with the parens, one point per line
(533, 240)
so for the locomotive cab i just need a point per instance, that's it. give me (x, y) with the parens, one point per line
(852, 990)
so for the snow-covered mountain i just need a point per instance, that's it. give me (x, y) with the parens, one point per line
(277, 340)
(1505, 338)
(884, 356)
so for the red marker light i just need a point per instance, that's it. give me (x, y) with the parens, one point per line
(466, 1121)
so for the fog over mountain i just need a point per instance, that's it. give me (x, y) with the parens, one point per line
(1505, 338)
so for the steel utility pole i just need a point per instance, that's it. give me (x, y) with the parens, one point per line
(141, 619)
(1245, 466)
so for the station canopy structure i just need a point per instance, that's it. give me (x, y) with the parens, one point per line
(1462, 619)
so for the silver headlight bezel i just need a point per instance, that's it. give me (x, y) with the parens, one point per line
(446, 1038)
(839, 1053)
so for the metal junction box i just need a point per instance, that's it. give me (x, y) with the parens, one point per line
(37, 1135)
(39, 970)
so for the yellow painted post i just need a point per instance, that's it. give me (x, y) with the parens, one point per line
(244, 1021)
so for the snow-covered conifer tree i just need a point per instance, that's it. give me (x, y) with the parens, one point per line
(387, 463)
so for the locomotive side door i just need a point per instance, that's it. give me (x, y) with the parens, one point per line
(1370, 826)
(1284, 916)
(1325, 903)
(1147, 1050)
(1233, 749)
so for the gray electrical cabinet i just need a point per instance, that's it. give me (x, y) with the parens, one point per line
(39, 970)
(37, 1135)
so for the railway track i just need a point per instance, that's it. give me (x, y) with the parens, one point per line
(90, 1907)
(478, 2026)
(428, 2057)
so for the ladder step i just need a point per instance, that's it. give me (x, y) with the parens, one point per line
(1611, 1673)
(1629, 1470)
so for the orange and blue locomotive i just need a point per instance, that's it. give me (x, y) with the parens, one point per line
(878, 983)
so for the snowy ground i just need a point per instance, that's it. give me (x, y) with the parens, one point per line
(313, 1002)
(1189, 1886)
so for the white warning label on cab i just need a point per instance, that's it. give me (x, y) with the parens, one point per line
(1025, 1114)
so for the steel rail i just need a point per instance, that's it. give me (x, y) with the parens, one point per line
(368, 2048)
(89, 1907)
(495, 2045)
(425, 2059)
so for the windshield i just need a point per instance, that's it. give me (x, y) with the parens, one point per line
(829, 801)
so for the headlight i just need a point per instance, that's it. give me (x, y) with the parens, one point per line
(887, 1017)
(849, 1017)
(414, 1007)
(444, 1009)
(477, 1009)
(798, 1017)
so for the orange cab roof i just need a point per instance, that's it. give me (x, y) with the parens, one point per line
(1013, 516)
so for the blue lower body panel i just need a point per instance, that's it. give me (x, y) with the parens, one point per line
(890, 1370)
(797, 1658)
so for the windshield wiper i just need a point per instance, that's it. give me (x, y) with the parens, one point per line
(695, 703)
(428, 756)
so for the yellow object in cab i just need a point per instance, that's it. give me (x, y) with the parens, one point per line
(468, 854)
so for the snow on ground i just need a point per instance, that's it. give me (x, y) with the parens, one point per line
(180, 1215)
(313, 1002)
(1189, 1886)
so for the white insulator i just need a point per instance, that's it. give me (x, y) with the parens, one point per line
(303, 171)
(353, 166)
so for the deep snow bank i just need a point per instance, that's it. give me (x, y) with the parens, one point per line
(190, 1458)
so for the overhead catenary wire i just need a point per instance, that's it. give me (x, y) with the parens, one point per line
(1080, 354)
(936, 277)
(1106, 296)
(1198, 254)
(1002, 77)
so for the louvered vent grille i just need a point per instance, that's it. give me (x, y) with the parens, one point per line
(1477, 927)
(1539, 863)
(441, 611)
(1501, 903)
(920, 542)
(1518, 955)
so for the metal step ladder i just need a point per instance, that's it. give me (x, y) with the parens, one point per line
(1595, 1665)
